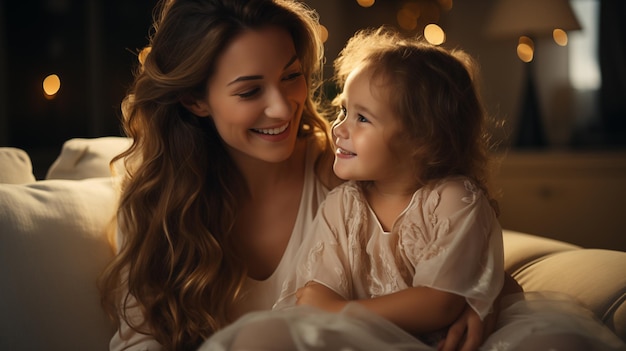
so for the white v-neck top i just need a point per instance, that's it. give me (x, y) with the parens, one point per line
(262, 294)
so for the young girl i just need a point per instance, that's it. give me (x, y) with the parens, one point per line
(413, 236)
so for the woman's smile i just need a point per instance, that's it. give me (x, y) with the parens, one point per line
(272, 131)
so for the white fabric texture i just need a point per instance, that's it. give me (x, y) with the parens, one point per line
(15, 166)
(549, 321)
(448, 238)
(53, 246)
(88, 158)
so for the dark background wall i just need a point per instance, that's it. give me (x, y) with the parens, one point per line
(92, 45)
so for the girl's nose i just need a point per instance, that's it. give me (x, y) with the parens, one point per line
(278, 105)
(340, 130)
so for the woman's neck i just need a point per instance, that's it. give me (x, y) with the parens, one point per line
(261, 176)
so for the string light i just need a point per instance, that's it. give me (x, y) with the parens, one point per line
(434, 34)
(51, 86)
(365, 3)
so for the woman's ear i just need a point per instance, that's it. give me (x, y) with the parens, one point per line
(198, 107)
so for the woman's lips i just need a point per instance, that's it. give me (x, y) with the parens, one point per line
(272, 131)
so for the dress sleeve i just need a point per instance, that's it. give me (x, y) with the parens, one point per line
(458, 247)
(322, 256)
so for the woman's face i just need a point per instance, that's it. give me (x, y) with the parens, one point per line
(257, 94)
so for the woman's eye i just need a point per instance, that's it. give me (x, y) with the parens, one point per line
(249, 93)
(292, 76)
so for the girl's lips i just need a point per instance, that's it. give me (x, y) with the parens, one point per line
(344, 153)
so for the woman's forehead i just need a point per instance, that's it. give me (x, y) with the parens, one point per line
(256, 52)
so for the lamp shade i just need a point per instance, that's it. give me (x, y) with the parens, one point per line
(536, 18)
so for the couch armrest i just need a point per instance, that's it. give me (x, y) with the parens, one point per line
(595, 277)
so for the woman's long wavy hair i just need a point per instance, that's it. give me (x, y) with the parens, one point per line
(434, 92)
(178, 265)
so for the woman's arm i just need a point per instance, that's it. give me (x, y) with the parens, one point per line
(415, 309)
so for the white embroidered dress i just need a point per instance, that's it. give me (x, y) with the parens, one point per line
(452, 244)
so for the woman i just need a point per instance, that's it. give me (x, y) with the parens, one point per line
(229, 162)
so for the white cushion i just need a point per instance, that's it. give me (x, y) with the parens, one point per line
(88, 158)
(15, 166)
(53, 246)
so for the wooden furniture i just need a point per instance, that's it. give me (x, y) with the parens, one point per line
(578, 197)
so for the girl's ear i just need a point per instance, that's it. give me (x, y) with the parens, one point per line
(199, 108)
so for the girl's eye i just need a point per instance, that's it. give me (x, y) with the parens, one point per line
(360, 118)
(292, 76)
(249, 93)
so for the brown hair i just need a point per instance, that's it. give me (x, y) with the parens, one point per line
(180, 197)
(433, 91)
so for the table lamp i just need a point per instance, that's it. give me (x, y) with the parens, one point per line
(528, 20)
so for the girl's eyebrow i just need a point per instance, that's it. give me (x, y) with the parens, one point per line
(246, 78)
(362, 108)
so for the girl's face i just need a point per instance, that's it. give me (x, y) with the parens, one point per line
(367, 134)
(256, 95)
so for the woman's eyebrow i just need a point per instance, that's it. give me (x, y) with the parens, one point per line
(291, 61)
(245, 78)
(254, 77)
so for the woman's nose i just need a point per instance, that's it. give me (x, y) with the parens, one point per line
(278, 105)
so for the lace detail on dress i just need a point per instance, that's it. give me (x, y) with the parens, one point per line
(307, 269)
(474, 192)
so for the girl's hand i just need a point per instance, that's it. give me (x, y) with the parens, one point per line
(468, 332)
(318, 295)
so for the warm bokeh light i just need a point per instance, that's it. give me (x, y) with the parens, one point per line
(525, 49)
(366, 3)
(560, 37)
(51, 85)
(323, 33)
(407, 16)
(446, 5)
(406, 19)
(434, 34)
(526, 40)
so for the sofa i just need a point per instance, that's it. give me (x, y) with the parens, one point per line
(54, 242)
